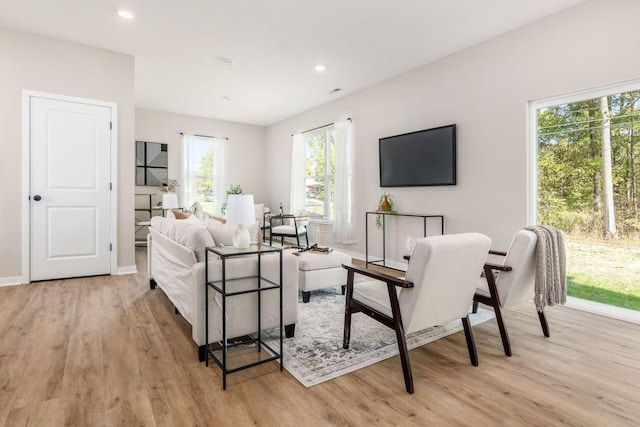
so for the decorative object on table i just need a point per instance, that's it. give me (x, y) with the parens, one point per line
(315, 354)
(233, 189)
(240, 212)
(385, 204)
(260, 239)
(169, 186)
(321, 249)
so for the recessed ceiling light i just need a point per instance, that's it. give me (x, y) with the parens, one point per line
(226, 98)
(320, 68)
(125, 14)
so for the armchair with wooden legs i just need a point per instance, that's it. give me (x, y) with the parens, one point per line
(512, 282)
(439, 287)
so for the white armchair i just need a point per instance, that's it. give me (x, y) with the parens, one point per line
(439, 287)
(510, 282)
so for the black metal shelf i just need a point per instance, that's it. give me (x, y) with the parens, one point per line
(383, 262)
(225, 253)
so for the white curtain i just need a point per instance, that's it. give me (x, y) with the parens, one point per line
(298, 157)
(344, 228)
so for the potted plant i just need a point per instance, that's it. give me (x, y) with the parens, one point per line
(385, 204)
(169, 186)
(233, 189)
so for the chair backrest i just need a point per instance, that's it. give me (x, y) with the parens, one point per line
(444, 271)
(302, 217)
(518, 285)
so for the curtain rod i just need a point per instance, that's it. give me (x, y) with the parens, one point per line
(204, 136)
(320, 127)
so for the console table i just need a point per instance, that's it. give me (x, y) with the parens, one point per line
(383, 262)
(220, 286)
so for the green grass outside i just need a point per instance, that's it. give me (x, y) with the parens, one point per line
(604, 271)
(600, 289)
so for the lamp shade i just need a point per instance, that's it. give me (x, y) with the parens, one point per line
(240, 210)
(170, 201)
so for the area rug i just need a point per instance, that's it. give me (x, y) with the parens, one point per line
(316, 355)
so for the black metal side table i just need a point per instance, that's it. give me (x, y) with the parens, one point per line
(220, 286)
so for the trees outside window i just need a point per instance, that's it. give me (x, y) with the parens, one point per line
(587, 172)
(203, 172)
(320, 167)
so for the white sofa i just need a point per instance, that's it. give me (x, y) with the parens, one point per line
(175, 262)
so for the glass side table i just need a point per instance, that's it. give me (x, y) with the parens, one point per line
(220, 286)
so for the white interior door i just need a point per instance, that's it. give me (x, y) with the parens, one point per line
(70, 162)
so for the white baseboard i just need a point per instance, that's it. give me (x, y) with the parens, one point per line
(131, 269)
(625, 314)
(10, 281)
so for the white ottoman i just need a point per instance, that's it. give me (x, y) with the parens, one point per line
(321, 271)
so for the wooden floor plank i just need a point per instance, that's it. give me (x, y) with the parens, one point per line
(110, 351)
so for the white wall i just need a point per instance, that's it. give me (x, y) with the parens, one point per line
(244, 155)
(47, 65)
(485, 90)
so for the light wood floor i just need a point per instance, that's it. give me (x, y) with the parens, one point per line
(110, 351)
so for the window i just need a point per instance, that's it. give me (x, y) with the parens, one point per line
(322, 180)
(203, 172)
(586, 149)
(320, 168)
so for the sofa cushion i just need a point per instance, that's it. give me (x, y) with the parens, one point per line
(194, 237)
(189, 232)
(222, 233)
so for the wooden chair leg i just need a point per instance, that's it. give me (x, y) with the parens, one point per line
(347, 310)
(471, 344)
(404, 358)
(506, 344)
(543, 323)
(402, 342)
(475, 307)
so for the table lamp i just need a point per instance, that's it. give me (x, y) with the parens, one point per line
(240, 212)
(169, 201)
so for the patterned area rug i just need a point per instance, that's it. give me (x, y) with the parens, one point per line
(316, 355)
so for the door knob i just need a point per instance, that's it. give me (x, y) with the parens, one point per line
(37, 198)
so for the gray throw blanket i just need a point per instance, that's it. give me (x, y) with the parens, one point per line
(551, 278)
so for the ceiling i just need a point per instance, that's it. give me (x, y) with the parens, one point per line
(252, 61)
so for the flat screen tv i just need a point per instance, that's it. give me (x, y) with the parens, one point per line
(423, 158)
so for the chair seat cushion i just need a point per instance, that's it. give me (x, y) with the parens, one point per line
(288, 229)
(374, 294)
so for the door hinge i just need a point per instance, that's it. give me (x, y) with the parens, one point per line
(111, 125)
(111, 186)
(110, 247)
